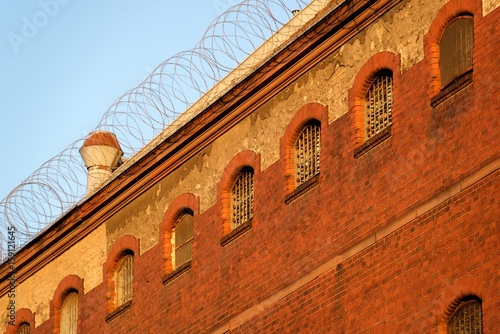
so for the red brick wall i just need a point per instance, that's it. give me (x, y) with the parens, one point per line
(398, 283)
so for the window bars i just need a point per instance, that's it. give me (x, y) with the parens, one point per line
(378, 105)
(455, 49)
(307, 153)
(242, 199)
(69, 314)
(183, 240)
(24, 329)
(467, 319)
(124, 278)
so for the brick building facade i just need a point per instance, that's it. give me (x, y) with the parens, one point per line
(307, 205)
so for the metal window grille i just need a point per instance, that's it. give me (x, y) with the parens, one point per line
(24, 329)
(124, 278)
(378, 105)
(467, 319)
(455, 49)
(69, 314)
(307, 153)
(242, 199)
(183, 240)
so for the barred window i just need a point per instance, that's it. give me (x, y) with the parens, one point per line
(455, 49)
(467, 319)
(242, 198)
(69, 314)
(182, 240)
(24, 329)
(378, 104)
(307, 153)
(124, 278)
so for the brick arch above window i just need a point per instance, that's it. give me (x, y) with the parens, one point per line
(125, 245)
(380, 63)
(179, 206)
(307, 114)
(452, 298)
(448, 13)
(69, 284)
(23, 316)
(238, 164)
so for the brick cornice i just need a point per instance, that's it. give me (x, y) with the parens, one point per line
(313, 45)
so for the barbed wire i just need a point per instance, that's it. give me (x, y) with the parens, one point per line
(144, 112)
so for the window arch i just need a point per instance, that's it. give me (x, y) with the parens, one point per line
(64, 309)
(307, 152)
(455, 48)
(124, 277)
(235, 193)
(186, 203)
(24, 329)
(242, 195)
(378, 104)
(451, 37)
(182, 239)
(467, 317)
(301, 150)
(372, 101)
(69, 313)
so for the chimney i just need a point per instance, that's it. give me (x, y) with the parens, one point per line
(101, 154)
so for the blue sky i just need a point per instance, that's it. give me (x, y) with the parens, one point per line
(64, 62)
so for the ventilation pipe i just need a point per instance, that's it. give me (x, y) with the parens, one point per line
(101, 154)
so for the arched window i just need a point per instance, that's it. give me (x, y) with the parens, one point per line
(378, 104)
(69, 314)
(182, 239)
(242, 198)
(455, 49)
(24, 329)
(307, 153)
(124, 278)
(467, 318)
